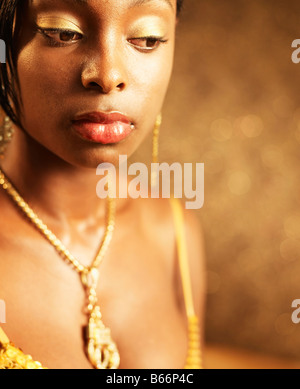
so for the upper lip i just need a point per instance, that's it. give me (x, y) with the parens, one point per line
(103, 117)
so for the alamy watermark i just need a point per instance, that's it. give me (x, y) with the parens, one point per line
(296, 312)
(296, 53)
(2, 51)
(138, 187)
(2, 312)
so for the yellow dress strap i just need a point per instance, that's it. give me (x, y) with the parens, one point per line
(3, 337)
(183, 256)
(194, 355)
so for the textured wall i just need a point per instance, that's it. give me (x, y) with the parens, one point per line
(234, 104)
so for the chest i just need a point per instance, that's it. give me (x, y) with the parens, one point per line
(136, 292)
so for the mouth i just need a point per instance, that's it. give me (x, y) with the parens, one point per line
(102, 127)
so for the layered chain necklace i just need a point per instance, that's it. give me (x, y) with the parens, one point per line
(100, 348)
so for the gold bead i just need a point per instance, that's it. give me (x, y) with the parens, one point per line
(31, 365)
(11, 352)
(194, 338)
(21, 360)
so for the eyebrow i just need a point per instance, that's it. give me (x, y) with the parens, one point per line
(138, 3)
(135, 3)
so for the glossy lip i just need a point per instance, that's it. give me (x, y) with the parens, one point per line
(103, 127)
(103, 117)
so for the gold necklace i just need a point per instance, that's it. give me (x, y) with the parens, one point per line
(100, 348)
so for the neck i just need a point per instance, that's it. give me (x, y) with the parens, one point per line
(53, 187)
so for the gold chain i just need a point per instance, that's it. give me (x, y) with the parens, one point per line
(101, 350)
(155, 145)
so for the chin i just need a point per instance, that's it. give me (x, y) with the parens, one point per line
(91, 158)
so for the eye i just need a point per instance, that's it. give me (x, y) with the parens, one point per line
(59, 37)
(147, 43)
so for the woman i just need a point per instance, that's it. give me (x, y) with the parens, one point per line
(73, 67)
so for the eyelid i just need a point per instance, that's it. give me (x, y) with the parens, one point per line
(55, 30)
(153, 37)
(147, 26)
(59, 23)
(148, 33)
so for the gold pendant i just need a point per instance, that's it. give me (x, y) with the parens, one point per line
(101, 350)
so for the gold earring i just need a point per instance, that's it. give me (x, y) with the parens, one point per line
(6, 133)
(155, 144)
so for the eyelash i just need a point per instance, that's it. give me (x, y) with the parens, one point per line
(156, 39)
(52, 42)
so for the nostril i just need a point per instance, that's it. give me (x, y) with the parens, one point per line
(121, 86)
(102, 81)
(94, 84)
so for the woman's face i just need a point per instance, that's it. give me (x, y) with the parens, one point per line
(77, 57)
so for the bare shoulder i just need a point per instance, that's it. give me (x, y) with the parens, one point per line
(158, 219)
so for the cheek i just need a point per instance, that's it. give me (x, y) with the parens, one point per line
(152, 79)
(154, 75)
(44, 81)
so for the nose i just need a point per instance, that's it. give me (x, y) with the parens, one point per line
(104, 70)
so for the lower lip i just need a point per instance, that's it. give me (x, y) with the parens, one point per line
(103, 133)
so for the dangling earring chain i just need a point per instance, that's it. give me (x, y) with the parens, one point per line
(100, 348)
(6, 133)
(155, 147)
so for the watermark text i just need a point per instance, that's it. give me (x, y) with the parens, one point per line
(296, 53)
(296, 312)
(2, 312)
(183, 184)
(2, 51)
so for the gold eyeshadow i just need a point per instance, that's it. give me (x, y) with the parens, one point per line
(57, 22)
(142, 28)
(148, 27)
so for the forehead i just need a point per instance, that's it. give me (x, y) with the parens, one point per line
(118, 4)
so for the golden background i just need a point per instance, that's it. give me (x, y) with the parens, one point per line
(234, 104)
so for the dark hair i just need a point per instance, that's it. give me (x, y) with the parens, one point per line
(9, 10)
(179, 6)
(8, 72)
